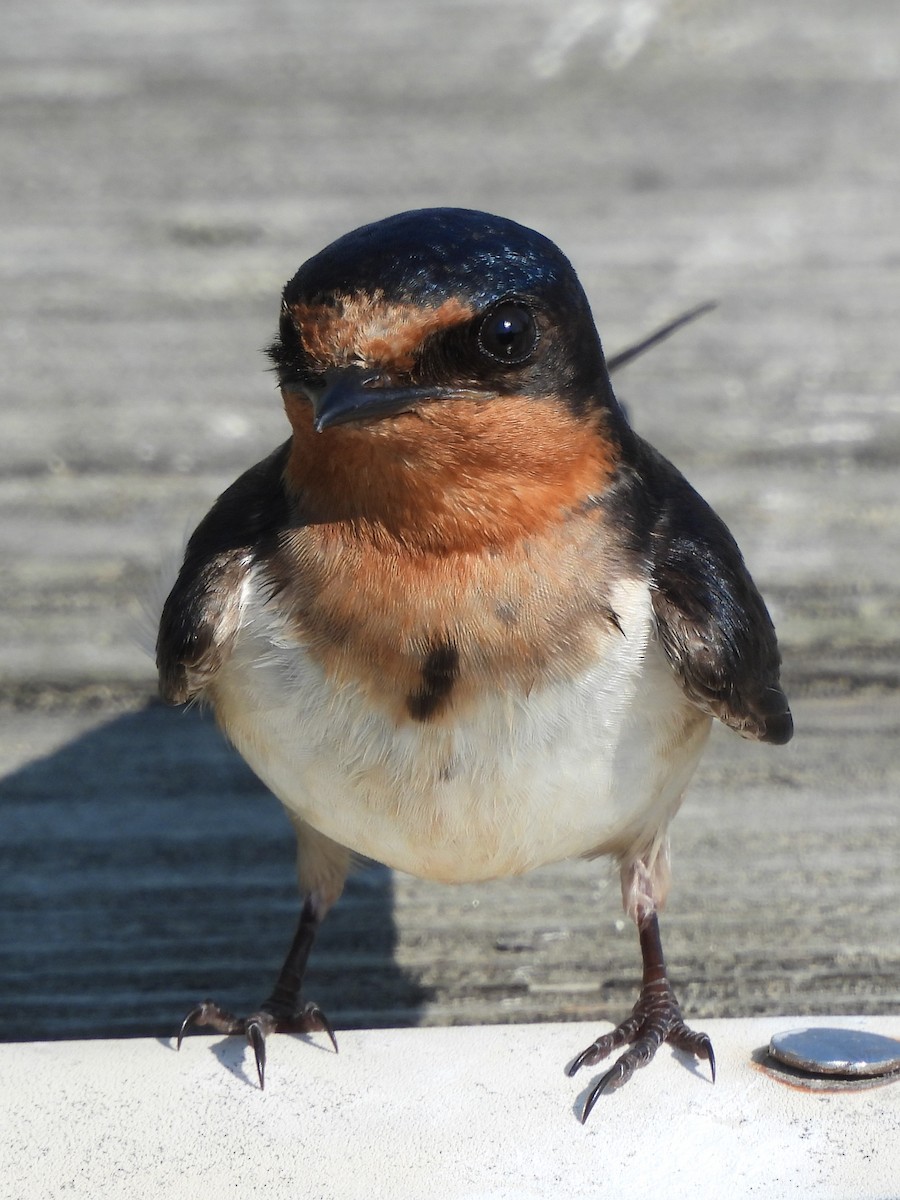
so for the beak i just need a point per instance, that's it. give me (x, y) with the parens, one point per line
(359, 394)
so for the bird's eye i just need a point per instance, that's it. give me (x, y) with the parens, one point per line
(508, 333)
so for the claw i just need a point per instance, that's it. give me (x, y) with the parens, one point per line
(614, 1078)
(270, 1018)
(192, 1018)
(591, 1101)
(325, 1025)
(710, 1056)
(257, 1039)
(641, 1052)
(697, 1044)
(583, 1059)
(604, 1045)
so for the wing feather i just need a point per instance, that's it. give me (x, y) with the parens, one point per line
(201, 616)
(712, 621)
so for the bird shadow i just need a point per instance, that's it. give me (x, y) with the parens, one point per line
(144, 867)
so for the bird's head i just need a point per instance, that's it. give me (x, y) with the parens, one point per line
(448, 354)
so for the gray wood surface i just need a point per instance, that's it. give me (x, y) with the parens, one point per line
(165, 168)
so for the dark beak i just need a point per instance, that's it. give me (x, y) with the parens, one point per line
(360, 394)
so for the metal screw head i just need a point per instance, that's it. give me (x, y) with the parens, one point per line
(830, 1051)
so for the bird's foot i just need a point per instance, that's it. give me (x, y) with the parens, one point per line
(258, 1026)
(656, 1018)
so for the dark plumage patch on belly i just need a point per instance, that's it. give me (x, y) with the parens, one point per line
(440, 671)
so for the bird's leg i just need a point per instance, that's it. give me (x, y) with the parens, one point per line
(656, 1018)
(282, 1012)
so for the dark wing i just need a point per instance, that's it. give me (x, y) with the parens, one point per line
(202, 614)
(712, 621)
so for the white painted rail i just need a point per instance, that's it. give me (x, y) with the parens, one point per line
(477, 1113)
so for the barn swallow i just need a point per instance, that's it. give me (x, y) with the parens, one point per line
(465, 621)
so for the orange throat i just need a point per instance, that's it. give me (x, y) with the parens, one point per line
(455, 476)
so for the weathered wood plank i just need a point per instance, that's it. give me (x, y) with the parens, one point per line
(145, 868)
(165, 169)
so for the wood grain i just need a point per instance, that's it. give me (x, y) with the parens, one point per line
(165, 170)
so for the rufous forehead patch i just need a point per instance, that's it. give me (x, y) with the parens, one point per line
(367, 330)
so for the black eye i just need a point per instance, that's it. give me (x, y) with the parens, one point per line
(508, 333)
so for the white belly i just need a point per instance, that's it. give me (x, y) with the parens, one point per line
(591, 765)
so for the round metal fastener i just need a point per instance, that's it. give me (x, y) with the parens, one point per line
(828, 1051)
